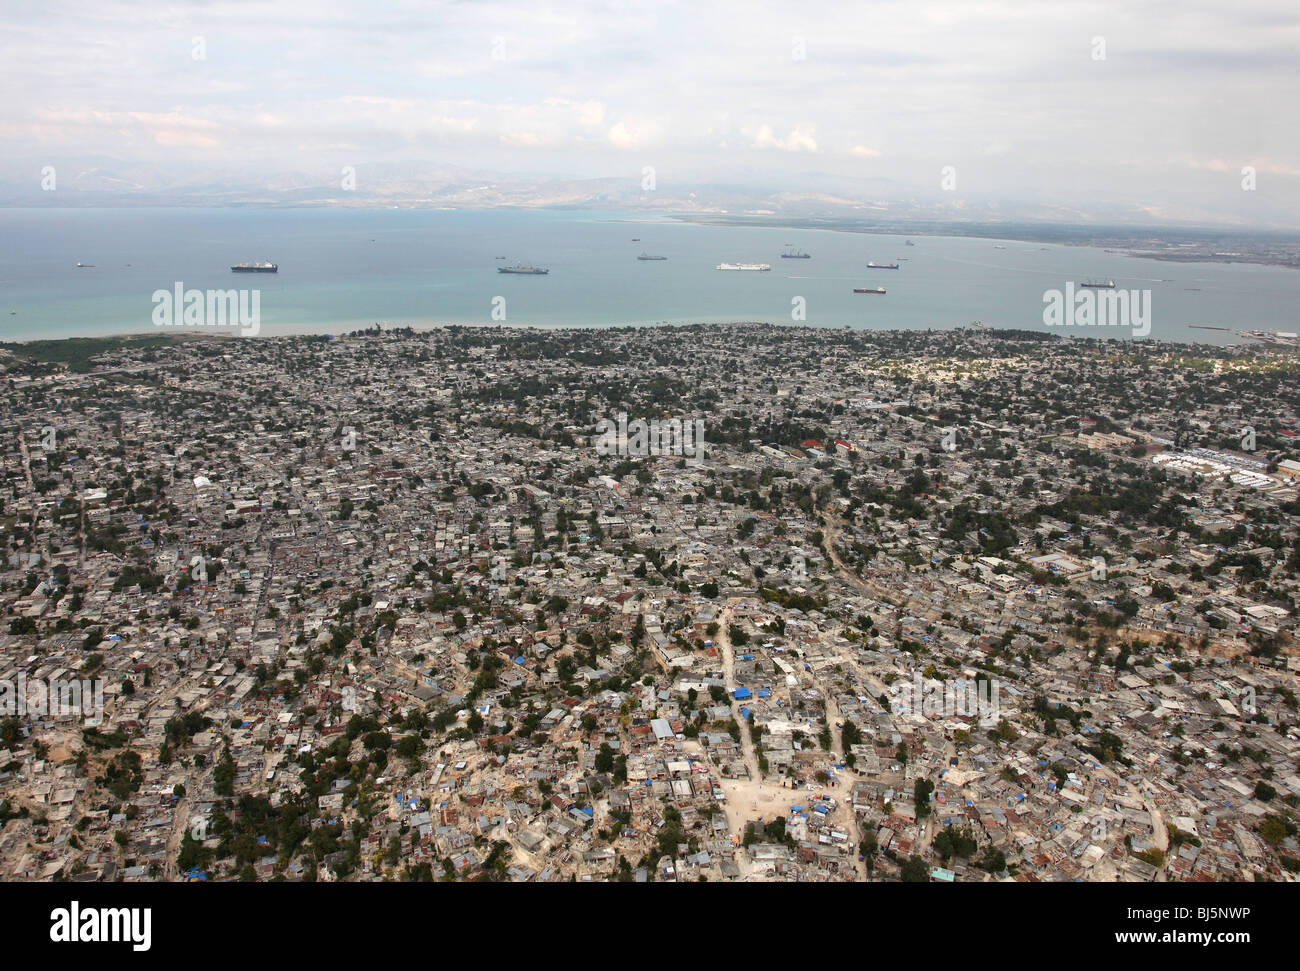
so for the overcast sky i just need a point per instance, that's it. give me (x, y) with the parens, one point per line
(1163, 104)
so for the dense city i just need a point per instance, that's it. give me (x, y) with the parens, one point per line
(472, 603)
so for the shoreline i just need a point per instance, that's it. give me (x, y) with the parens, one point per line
(1117, 241)
(337, 332)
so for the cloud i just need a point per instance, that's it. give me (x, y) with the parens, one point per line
(588, 113)
(185, 139)
(1259, 165)
(175, 130)
(1009, 92)
(800, 139)
(622, 135)
(525, 139)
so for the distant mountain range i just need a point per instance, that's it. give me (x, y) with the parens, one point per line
(102, 181)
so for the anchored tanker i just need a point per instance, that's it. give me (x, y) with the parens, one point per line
(647, 256)
(744, 266)
(520, 268)
(255, 268)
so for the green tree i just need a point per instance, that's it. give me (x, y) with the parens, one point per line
(605, 758)
(914, 870)
(921, 791)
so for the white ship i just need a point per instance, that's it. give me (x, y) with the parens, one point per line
(744, 266)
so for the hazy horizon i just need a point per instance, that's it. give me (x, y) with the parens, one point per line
(1082, 111)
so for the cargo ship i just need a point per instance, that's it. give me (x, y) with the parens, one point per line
(524, 270)
(744, 266)
(882, 266)
(262, 267)
(795, 254)
(868, 289)
(647, 256)
(1099, 284)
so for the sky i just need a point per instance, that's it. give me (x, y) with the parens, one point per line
(1154, 105)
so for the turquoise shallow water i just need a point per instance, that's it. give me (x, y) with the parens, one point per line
(344, 268)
